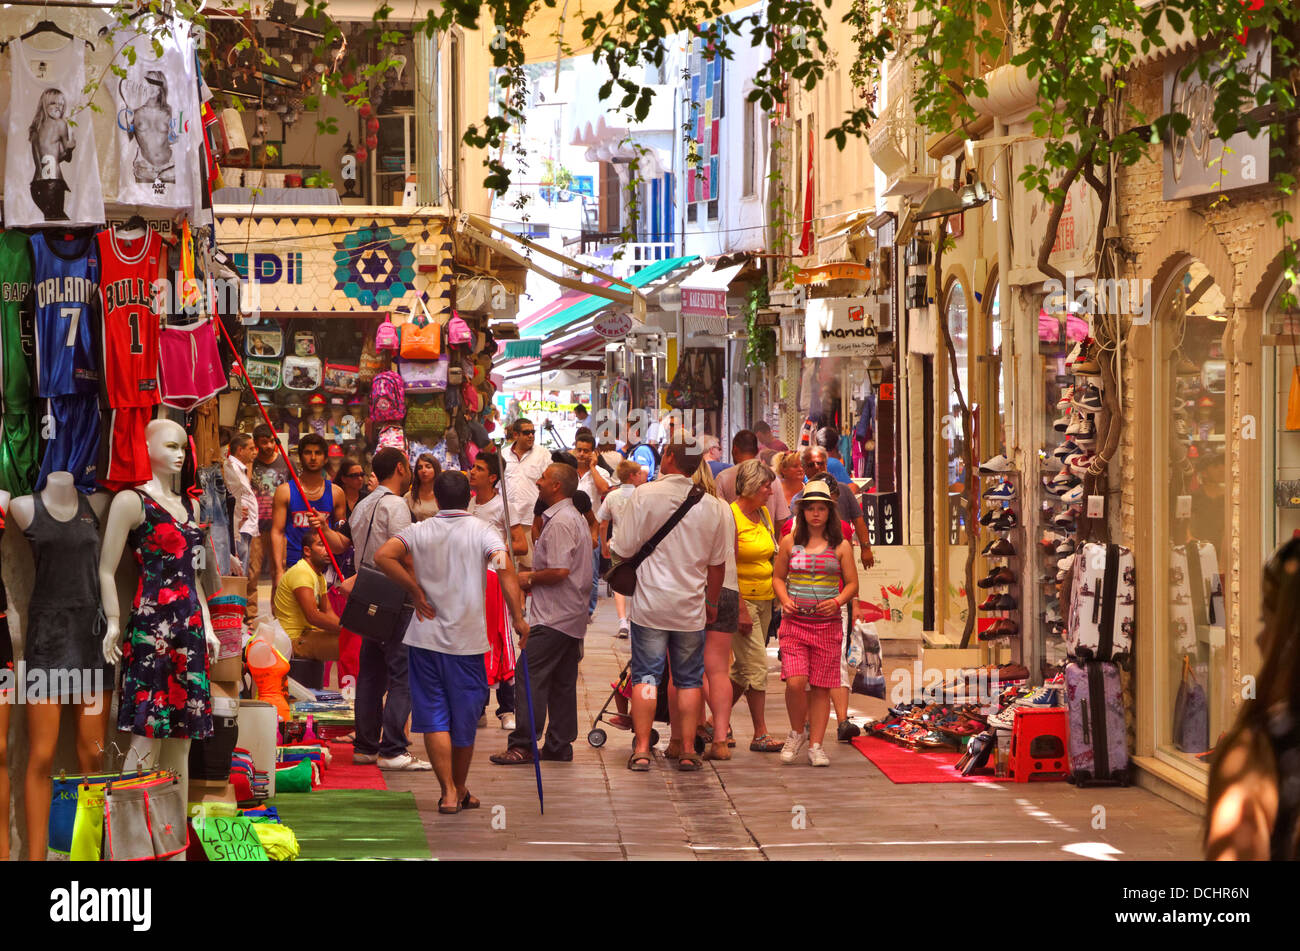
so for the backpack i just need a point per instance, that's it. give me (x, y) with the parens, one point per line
(387, 398)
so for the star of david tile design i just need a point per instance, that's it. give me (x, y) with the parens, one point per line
(374, 266)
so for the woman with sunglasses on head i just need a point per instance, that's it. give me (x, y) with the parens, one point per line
(1253, 809)
(420, 497)
(813, 577)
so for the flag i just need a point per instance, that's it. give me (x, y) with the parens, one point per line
(806, 241)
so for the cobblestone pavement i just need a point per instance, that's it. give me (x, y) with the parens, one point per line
(753, 808)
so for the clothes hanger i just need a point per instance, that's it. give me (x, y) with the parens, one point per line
(49, 26)
(135, 227)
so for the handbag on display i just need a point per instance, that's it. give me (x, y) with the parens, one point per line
(426, 418)
(304, 343)
(422, 339)
(1286, 493)
(341, 379)
(392, 437)
(377, 609)
(263, 374)
(428, 375)
(1191, 714)
(387, 337)
(264, 339)
(302, 373)
(372, 363)
(622, 573)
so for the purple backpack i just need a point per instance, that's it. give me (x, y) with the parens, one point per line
(387, 398)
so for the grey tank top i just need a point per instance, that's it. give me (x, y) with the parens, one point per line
(67, 556)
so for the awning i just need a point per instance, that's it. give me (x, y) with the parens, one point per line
(592, 303)
(704, 293)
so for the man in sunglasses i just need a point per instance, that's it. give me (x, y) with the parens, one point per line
(524, 461)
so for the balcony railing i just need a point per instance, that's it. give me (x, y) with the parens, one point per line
(607, 251)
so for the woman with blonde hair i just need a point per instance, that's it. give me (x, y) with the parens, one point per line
(756, 541)
(789, 475)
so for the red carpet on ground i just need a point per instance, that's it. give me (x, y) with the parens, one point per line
(902, 765)
(341, 774)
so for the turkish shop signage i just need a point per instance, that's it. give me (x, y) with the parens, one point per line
(1197, 163)
(841, 327)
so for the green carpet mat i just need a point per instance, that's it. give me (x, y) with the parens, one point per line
(354, 824)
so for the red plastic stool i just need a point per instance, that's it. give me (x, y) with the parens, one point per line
(1038, 745)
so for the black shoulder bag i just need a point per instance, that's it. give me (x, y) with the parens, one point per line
(378, 608)
(622, 574)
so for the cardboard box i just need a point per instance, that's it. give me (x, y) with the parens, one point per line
(205, 791)
(230, 670)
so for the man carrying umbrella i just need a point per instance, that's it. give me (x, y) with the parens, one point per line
(441, 563)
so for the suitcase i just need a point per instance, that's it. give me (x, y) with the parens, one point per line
(1098, 748)
(1101, 621)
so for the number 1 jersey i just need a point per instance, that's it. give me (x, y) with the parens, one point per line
(65, 276)
(129, 267)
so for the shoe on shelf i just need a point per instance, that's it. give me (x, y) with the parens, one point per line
(1074, 496)
(507, 721)
(404, 763)
(1080, 462)
(1086, 367)
(1065, 450)
(817, 755)
(1007, 602)
(1066, 563)
(998, 464)
(1066, 547)
(989, 604)
(1066, 517)
(847, 730)
(794, 745)
(1003, 492)
(1063, 424)
(1002, 627)
(1089, 400)
(1005, 522)
(1082, 425)
(1067, 397)
(1001, 575)
(991, 516)
(1000, 548)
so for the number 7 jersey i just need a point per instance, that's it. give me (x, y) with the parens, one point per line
(65, 278)
(128, 269)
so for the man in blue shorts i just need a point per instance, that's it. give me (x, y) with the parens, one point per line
(442, 563)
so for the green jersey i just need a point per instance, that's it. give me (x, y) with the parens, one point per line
(18, 431)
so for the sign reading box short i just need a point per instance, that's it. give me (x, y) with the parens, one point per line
(841, 326)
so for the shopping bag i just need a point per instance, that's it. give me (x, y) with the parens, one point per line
(1293, 401)
(870, 677)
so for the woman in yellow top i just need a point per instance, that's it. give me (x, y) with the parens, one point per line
(755, 549)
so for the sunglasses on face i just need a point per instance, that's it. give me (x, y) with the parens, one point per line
(527, 432)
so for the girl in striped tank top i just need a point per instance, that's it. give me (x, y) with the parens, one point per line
(813, 578)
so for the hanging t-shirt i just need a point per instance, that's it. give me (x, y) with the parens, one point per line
(158, 121)
(51, 164)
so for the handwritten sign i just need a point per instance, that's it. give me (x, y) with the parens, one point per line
(229, 839)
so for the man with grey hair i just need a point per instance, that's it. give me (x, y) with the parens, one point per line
(559, 584)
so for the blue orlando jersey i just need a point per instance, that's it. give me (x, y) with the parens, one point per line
(65, 281)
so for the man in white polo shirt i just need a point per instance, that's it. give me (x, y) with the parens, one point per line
(524, 462)
(441, 562)
(677, 590)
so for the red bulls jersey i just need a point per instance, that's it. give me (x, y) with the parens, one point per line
(128, 269)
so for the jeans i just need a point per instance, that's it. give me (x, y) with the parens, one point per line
(259, 555)
(243, 543)
(380, 719)
(505, 697)
(553, 676)
(595, 578)
(212, 512)
(652, 645)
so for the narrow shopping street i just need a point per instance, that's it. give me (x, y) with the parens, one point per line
(753, 808)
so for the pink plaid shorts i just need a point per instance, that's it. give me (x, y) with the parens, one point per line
(810, 647)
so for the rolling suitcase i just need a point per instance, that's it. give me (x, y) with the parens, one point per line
(1098, 749)
(1102, 603)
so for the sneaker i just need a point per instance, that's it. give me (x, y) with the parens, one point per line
(1066, 547)
(1045, 697)
(1003, 492)
(997, 464)
(794, 745)
(365, 759)
(1067, 397)
(1080, 462)
(405, 763)
(1086, 367)
(1082, 426)
(817, 756)
(1063, 424)
(999, 548)
(1005, 720)
(1074, 496)
(847, 730)
(998, 576)
(1004, 522)
(1065, 518)
(507, 721)
(1065, 450)
(1089, 400)
(624, 628)
(991, 516)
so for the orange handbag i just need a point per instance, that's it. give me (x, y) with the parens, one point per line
(421, 341)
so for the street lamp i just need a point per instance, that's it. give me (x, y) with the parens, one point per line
(875, 372)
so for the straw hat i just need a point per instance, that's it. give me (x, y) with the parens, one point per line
(816, 491)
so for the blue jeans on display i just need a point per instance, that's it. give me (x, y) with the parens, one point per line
(212, 512)
(595, 578)
(242, 543)
(380, 720)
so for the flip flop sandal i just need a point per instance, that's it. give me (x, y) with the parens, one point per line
(689, 763)
(470, 802)
(449, 810)
(765, 744)
(639, 762)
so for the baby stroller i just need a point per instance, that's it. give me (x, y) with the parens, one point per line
(619, 721)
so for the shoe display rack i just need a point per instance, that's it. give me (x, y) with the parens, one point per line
(1000, 521)
(1078, 408)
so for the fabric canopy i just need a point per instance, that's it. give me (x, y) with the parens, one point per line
(592, 303)
(704, 293)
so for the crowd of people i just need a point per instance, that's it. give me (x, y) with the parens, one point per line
(509, 550)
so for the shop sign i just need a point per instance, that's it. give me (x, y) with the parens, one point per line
(1076, 232)
(839, 327)
(841, 270)
(895, 599)
(704, 302)
(883, 518)
(1197, 163)
(612, 326)
(229, 839)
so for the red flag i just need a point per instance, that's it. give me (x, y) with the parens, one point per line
(1253, 5)
(806, 241)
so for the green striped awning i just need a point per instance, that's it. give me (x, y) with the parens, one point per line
(530, 348)
(593, 303)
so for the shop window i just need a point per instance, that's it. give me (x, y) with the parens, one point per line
(995, 421)
(1282, 456)
(1192, 646)
(958, 455)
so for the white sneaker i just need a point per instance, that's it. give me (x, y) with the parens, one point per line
(794, 743)
(817, 756)
(997, 464)
(406, 762)
(507, 721)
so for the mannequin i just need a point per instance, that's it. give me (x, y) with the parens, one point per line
(64, 532)
(151, 518)
(268, 655)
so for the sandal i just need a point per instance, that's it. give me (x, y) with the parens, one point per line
(515, 756)
(705, 732)
(674, 750)
(689, 763)
(470, 801)
(448, 810)
(765, 744)
(719, 751)
(639, 762)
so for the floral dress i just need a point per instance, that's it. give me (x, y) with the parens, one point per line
(165, 688)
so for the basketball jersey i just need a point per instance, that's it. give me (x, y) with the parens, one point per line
(17, 344)
(51, 163)
(65, 275)
(296, 523)
(128, 269)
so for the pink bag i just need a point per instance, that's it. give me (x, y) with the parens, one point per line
(386, 337)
